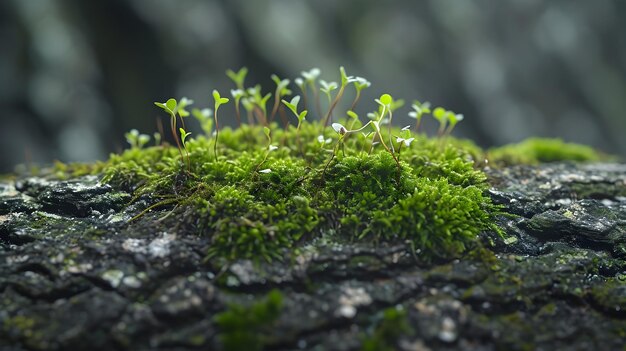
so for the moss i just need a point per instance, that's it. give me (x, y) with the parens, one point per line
(246, 327)
(611, 296)
(433, 198)
(388, 329)
(25, 328)
(537, 150)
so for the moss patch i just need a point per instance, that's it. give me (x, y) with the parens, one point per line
(537, 150)
(433, 199)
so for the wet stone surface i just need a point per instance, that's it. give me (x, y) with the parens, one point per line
(76, 274)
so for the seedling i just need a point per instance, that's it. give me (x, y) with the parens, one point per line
(183, 138)
(453, 119)
(345, 80)
(270, 148)
(239, 77)
(237, 95)
(248, 105)
(260, 102)
(327, 88)
(136, 140)
(293, 106)
(204, 117)
(405, 139)
(172, 107)
(385, 101)
(218, 102)
(309, 79)
(441, 115)
(419, 109)
(360, 83)
(281, 90)
(157, 138)
(354, 119)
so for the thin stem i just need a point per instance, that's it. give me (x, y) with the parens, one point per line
(276, 102)
(217, 134)
(356, 99)
(333, 105)
(173, 128)
(237, 113)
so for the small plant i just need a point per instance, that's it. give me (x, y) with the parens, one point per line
(441, 115)
(281, 90)
(136, 140)
(309, 79)
(419, 109)
(183, 138)
(293, 107)
(405, 139)
(453, 119)
(237, 95)
(260, 102)
(359, 84)
(327, 88)
(386, 101)
(270, 148)
(238, 77)
(173, 108)
(204, 117)
(345, 80)
(219, 101)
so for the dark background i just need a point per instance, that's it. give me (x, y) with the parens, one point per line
(75, 74)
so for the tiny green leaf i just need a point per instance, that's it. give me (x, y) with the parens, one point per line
(238, 77)
(386, 99)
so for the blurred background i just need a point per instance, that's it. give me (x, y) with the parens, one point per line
(75, 75)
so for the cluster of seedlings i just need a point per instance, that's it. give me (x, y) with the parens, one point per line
(267, 187)
(293, 171)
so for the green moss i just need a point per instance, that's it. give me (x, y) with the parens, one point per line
(263, 191)
(247, 327)
(536, 150)
(388, 329)
(434, 199)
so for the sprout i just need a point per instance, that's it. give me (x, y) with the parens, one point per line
(321, 140)
(270, 148)
(354, 117)
(237, 95)
(204, 117)
(281, 90)
(441, 115)
(157, 138)
(311, 75)
(309, 78)
(172, 107)
(293, 106)
(265, 171)
(360, 83)
(219, 101)
(419, 109)
(328, 87)
(136, 140)
(183, 138)
(407, 142)
(238, 77)
(453, 119)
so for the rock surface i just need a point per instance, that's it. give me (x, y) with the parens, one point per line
(75, 273)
